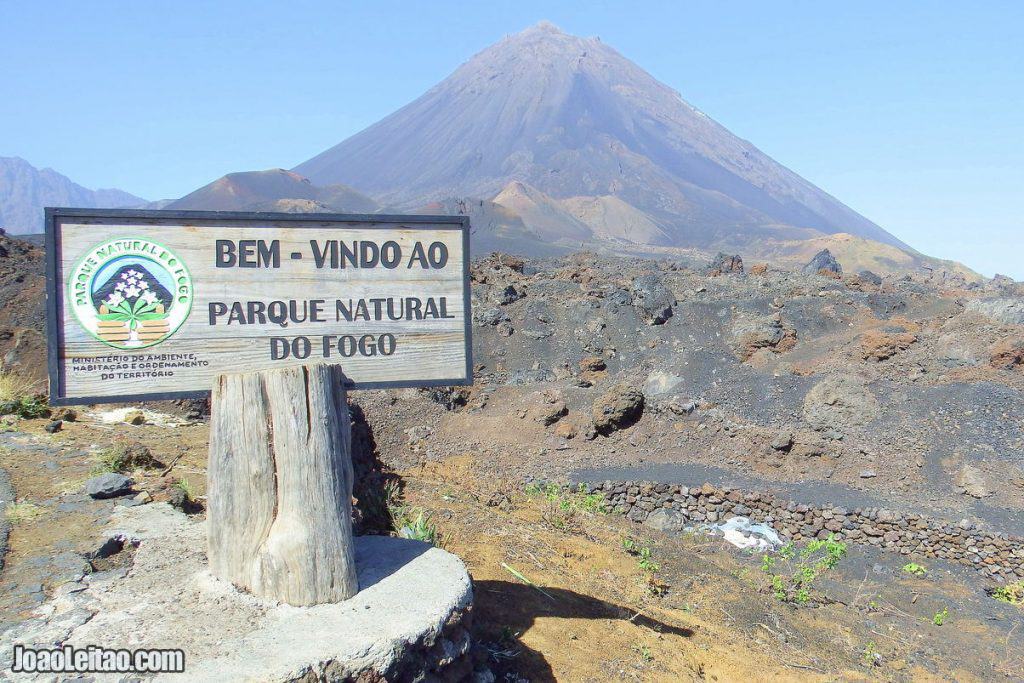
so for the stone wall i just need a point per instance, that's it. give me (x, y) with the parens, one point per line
(998, 556)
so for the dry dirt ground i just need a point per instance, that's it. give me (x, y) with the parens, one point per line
(557, 595)
(594, 614)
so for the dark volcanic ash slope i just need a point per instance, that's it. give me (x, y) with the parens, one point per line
(22, 308)
(572, 117)
(856, 390)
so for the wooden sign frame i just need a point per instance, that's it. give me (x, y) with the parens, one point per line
(56, 285)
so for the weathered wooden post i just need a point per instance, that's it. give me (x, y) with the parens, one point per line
(280, 484)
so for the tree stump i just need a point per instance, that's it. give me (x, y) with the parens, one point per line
(279, 484)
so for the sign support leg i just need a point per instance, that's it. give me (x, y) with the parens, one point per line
(279, 487)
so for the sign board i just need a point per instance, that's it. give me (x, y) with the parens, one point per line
(147, 305)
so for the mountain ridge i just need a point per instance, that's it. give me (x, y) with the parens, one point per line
(26, 190)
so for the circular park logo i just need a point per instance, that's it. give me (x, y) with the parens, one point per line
(130, 293)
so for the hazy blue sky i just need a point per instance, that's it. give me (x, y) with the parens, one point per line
(911, 113)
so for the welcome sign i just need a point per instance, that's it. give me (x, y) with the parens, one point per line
(155, 304)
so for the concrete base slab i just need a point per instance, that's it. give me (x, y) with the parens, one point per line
(409, 617)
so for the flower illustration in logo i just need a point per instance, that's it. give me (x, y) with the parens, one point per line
(130, 293)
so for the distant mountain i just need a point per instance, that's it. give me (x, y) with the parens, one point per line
(25, 190)
(274, 190)
(570, 117)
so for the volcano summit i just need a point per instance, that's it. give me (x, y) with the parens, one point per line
(572, 119)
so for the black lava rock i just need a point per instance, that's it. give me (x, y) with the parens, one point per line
(652, 300)
(823, 260)
(109, 485)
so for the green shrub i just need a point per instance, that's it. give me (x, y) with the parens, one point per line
(1012, 593)
(915, 569)
(643, 554)
(123, 458)
(816, 558)
(185, 487)
(19, 396)
(568, 498)
(870, 655)
(416, 524)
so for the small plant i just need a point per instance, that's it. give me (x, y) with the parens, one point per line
(559, 518)
(185, 487)
(870, 655)
(22, 511)
(644, 652)
(567, 498)
(940, 617)
(915, 569)
(643, 555)
(646, 563)
(123, 458)
(816, 558)
(110, 460)
(655, 587)
(833, 551)
(1012, 593)
(534, 489)
(183, 497)
(522, 577)
(779, 588)
(416, 524)
(590, 502)
(379, 502)
(19, 396)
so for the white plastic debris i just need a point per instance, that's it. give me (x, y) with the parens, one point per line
(118, 415)
(743, 534)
